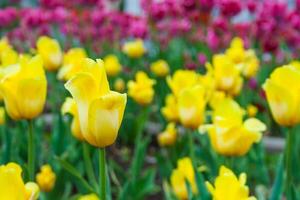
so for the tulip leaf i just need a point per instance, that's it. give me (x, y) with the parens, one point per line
(201, 186)
(278, 184)
(69, 168)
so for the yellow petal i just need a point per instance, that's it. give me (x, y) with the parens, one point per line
(105, 117)
(84, 89)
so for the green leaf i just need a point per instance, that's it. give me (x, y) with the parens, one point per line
(278, 184)
(68, 167)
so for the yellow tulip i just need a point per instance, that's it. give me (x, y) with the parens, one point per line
(9, 57)
(141, 90)
(191, 106)
(227, 75)
(170, 110)
(50, 51)
(251, 110)
(112, 65)
(32, 191)
(168, 137)
(12, 186)
(73, 62)
(236, 51)
(46, 178)
(4, 44)
(69, 106)
(229, 135)
(184, 172)
(119, 85)
(100, 110)
(89, 197)
(282, 91)
(229, 187)
(182, 79)
(24, 88)
(2, 115)
(250, 65)
(160, 68)
(134, 49)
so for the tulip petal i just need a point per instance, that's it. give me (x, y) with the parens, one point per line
(32, 96)
(84, 89)
(105, 117)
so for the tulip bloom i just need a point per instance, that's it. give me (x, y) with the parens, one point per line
(184, 172)
(12, 186)
(50, 51)
(89, 197)
(46, 178)
(24, 88)
(2, 115)
(9, 57)
(191, 106)
(168, 137)
(100, 110)
(141, 90)
(282, 91)
(229, 135)
(73, 62)
(182, 79)
(119, 85)
(134, 49)
(228, 186)
(227, 75)
(160, 68)
(170, 110)
(69, 106)
(112, 65)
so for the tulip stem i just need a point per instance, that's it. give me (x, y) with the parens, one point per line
(288, 160)
(102, 177)
(31, 153)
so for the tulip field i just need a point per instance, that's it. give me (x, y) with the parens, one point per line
(179, 100)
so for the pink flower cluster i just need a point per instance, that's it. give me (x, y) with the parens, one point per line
(270, 23)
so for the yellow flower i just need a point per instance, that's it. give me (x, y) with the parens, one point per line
(141, 90)
(282, 91)
(46, 178)
(73, 62)
(182, 79)
(12, 186)
(229, 187)
(32, 191)
(236, 51)
(69, 106)
(50, 51)
(184, 172)
(100, 110)
(250, 65)
(229, 135)
(227, 75)
(119, 85)
(4, 44)
(112, 65)
(251, 110)
(89, 197)
(160, 68)
(2, 115)
(24, 88)
(8, 57)
(134, 49)
(170, 110)
(191, 106)
(168, 137)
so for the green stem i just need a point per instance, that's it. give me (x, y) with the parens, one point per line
(288, 160)
(102, 177)
(31, 152)
(88, 165)
(191, 145)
